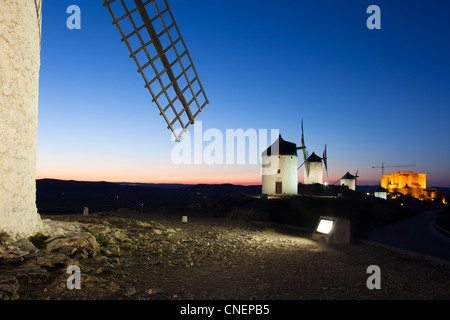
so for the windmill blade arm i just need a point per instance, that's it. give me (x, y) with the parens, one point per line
(308, 168)
(301, 165)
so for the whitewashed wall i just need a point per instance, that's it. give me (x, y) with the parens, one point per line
(19, 89)
(380, 194)
(288, 175)
(350, 183)
(315, 173)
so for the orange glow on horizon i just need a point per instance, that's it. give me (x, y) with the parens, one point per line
(162, 176)
(156, 181)
(162, 173)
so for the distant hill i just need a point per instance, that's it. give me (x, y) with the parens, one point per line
(367, 189)
(155, 185)
(58, 197)
(446, 191)
(69, 197)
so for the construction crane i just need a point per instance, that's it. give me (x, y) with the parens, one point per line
(395, 166)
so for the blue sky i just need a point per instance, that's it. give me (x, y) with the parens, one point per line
(372, 96)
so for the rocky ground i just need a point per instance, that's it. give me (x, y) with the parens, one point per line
(157, 257)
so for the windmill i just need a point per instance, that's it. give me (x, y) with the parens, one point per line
(349, 180)
(149, 31)
(312, 161)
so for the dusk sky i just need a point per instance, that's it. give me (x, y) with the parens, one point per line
(372, 96)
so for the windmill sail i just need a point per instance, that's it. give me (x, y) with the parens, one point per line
(307, 164)
(149, 30)
(325, 159)
(305, 153)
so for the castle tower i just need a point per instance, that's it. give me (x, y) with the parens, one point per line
(20, 36)
(279, 172)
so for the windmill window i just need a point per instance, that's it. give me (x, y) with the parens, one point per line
(279, 171)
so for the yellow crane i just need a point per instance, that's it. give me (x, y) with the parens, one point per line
(393, 166)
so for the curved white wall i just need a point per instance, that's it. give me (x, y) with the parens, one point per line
(19, 89)
(315, 173)
(350, 183)
(287, 174)
(380, 194)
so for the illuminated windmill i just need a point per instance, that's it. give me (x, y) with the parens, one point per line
(350, 180)
(149, 30)
(313, 164)
(280, 168)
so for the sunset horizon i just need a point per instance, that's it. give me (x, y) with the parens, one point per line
(366, 94)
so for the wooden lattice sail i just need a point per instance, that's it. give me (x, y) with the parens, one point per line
(155, 43)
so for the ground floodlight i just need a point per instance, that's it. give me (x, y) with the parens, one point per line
(333, 230)
(325, 226)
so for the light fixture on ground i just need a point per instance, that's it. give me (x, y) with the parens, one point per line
(333, 230)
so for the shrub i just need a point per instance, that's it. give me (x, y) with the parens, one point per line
(38, 240)
(4, 237)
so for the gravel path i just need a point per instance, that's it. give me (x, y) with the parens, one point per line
(215, 258)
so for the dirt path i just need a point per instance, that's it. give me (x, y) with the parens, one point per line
(215, 258)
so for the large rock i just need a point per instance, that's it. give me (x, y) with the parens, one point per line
(9, 287)
(70, 238)
(77, 246)
(60, 245)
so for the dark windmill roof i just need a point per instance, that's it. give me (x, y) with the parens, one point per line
(314, 158)
(348, 176)
(285, 148)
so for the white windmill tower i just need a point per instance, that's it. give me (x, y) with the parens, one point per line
(313, 170)
(20, 53)
(279, 174)
(349, 180)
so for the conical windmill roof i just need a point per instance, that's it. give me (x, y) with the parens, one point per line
(348, 176)
(314, 158)
(281, 147)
